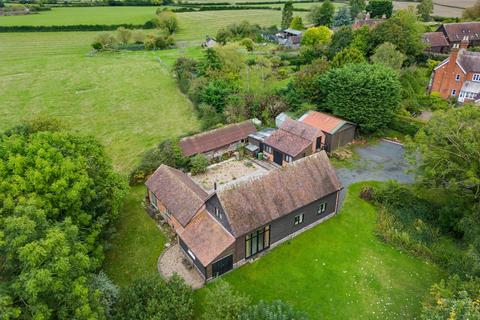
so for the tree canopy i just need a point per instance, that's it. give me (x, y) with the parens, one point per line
(322, 15)
(365, 94)
(425, 10)
(297, 23)
(356, 6)
(388, 55)
(449, 147)
(317, 35)
(346, 56)
(58, 194)
(473, 12)
(378, 8)
(342, 17)
(287, 15)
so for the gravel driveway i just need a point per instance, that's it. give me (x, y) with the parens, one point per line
(379, 162)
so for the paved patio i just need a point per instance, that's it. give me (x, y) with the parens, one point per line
(173, 260)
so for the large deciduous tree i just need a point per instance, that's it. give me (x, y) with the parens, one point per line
(449, 151)
(322, 15)
(379, 8)
(388, 55)
(317, 36)
(356, 6)
(365, 94)
(58, 193)
(425, 10)
(403, 30)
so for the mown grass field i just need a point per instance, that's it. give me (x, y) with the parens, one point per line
(339, 270)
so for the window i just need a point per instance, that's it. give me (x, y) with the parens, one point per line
(457, 77)
(288, 158)
(298, 219)
(476, 77)
(268, 149)
(153, 200)
(257, 241)
(190, 253)
(454, 92)
(322, 208)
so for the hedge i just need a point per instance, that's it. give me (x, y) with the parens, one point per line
(78, 27)
(406, 125)
(274, 2)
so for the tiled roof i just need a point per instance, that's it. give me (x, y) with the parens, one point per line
(323, 121)
(177, 192)
(293, 137)
(371, 23)
(435, 39)
(458, 31)
(470, 61)
(217, 138)
(254, 203)
(206, 237)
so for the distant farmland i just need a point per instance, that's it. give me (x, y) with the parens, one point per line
(444, 8)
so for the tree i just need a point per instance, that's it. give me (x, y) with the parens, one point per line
(297, 23)
(356, 7)
(449, 147)
(403, 30)
(272, 311)
(322, 15)
(425, 10)
(2, 4)
(216, 93)
(388, 55)
(248, 44)
(361, 39)
(287, 15)
(58, 195)
(473, 12)
(154, 298)
(365, 94)
(222, 302)
(168, 21)
(340, 40)
(378, 8)
(124, 35)
(342, 17)
(346, 56)
(317, 35)
(198, 164)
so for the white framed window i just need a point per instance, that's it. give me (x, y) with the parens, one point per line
(288, 158)
(153, 200)
(298, 219)
(457, 77)
(190, 253)
(322, 208)
(454, 93)
(268, 149)
(476, 77)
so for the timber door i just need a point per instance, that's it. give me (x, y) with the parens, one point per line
(222, 266)
(277, 157)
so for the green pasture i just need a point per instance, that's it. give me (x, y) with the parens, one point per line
(339, 270)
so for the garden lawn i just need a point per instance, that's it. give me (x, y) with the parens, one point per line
(136, 246)
(340, 270)
(128, 100)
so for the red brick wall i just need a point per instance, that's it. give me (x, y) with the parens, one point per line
(444, 79)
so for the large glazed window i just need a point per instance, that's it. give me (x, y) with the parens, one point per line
(257, 241)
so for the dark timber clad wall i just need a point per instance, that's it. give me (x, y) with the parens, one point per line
(196, 262)
(211, 204)
(284, 226)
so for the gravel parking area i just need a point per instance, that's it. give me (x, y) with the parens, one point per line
(379, 162)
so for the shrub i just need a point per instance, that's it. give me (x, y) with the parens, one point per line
(405, 125)
(185, 70)
(138, 37)
(104, 41)
(155, 298)
(216, 93)
(124, 35)
(198, 164)
(168, 21)
(108, 290)
(222, 302)
(247, 43)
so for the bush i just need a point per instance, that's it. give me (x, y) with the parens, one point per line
(185, 70)
(247, 43)
(104, 41)
(216, 93)
(198, 164)
(155, 298)
(222, 302)
(167, 152)
(124, 35)
(168, 21)
(405, 125)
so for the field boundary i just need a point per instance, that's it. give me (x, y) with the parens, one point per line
(77, 27)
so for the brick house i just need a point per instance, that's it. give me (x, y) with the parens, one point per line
(458, 76)
(231, 226)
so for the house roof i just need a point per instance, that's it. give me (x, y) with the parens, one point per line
(371, 23)
(471, 86)
(293, 137)
(177, 192)
(262, 134)
(255, 203)
(435, 39)
(293, 31)
(469, 61)
(458, 31)
(206, 237)
(323, 121)
(217, 138)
